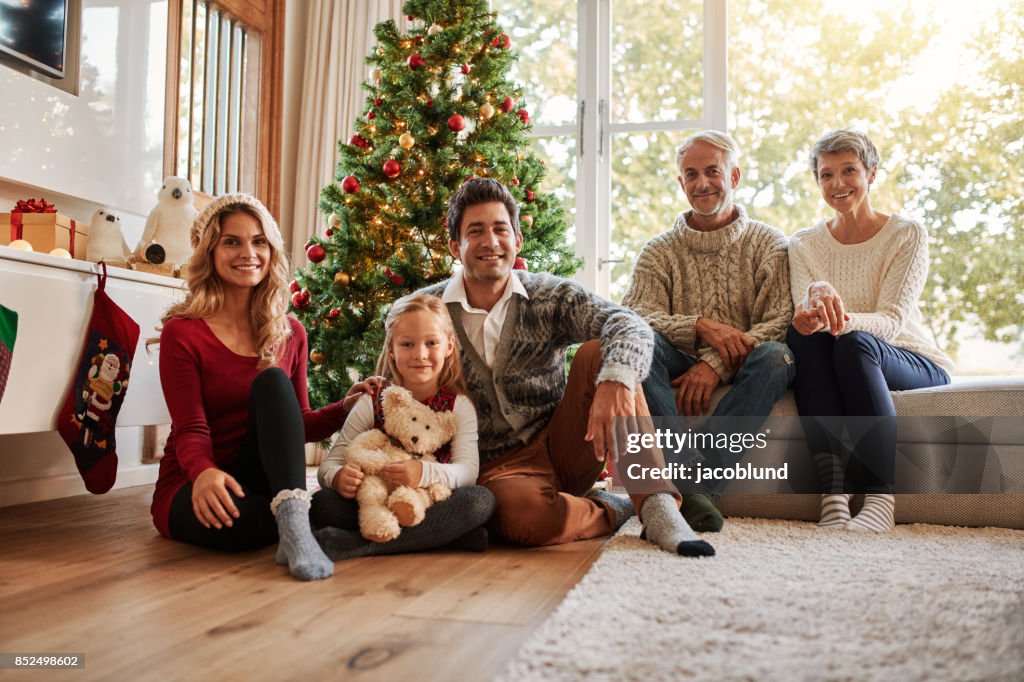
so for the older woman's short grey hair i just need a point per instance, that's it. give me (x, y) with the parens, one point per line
(715, 138)
(845, 140)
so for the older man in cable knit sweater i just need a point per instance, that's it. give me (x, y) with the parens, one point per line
(544, 437)
(715, 289)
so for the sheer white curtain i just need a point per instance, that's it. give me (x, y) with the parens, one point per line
(339, 35)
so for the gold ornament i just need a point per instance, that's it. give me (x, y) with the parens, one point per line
(528, 220)
(342, 278)
(406, 140)
(375, 75)
(380, 51)
(317, 357)
(486, 110)
(334, 220)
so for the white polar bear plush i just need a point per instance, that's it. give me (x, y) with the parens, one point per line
(106, 241)
(166, 237)
(383, 510)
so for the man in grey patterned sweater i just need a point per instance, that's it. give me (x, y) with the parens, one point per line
(715, 289)
(544, 438)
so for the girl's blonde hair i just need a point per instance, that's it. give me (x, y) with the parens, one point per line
(451, 371)
(269, 302)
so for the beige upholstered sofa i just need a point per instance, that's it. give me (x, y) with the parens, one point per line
(996, 404)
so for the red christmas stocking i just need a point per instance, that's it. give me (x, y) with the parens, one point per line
(86, 422)
(8, 332)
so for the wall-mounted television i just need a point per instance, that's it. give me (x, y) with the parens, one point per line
(35, 32)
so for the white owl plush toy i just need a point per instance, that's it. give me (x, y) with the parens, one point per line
(166, 237)
(106, 241)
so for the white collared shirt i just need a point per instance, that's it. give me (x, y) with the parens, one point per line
(483, 327)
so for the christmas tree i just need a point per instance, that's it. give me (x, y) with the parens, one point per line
(439, 109)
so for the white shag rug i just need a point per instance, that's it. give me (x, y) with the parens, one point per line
(784, 600)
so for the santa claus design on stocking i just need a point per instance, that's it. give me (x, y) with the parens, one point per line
(104, 384)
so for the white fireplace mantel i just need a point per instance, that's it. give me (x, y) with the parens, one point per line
(54, 298)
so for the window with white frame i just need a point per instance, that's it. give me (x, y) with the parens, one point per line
(616, 86)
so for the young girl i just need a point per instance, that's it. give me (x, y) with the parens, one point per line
(233, 371)
(420, 354)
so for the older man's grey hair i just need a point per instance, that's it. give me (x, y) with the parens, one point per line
(723, 141)
(845, 140)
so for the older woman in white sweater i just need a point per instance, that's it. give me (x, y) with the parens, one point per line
(857, 333)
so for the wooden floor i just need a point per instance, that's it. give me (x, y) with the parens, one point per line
(90, 575)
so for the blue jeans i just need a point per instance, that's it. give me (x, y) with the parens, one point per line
(851, 376)
(763, 378)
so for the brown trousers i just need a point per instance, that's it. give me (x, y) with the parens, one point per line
(538, 486)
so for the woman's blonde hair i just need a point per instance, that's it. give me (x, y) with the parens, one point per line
(451, 371)
(269, 302)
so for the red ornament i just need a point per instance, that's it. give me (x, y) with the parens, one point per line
(300, 299)
(328, 233)
(529, 195)
(524, 116)
(502, 41)
(392, 169)
(316, 253)
(334, 313)
(350, 184)
(410, 17)
(370, 116)
(294, 286)
(430, 102)
(377, 102)
(456, 122)
(358, 141)
(397, 279)
(519, 264)
(305, 247)
(465, 68)
(415, 61)
(508, 104)
(515, 182)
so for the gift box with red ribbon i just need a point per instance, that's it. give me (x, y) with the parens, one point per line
(38, 223)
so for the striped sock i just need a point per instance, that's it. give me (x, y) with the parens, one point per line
(876, 516)
(835, 511)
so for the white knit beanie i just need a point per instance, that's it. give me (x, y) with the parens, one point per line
(202, 222)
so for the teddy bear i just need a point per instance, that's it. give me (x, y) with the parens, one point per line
(411, 430)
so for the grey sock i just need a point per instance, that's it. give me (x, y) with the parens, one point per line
(445, 522)
(665, 527)
(621, 507)
(296, 545)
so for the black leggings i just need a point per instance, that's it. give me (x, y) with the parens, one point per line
(272, 458)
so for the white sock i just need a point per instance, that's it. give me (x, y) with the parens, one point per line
(835, 511)
(876, 516)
